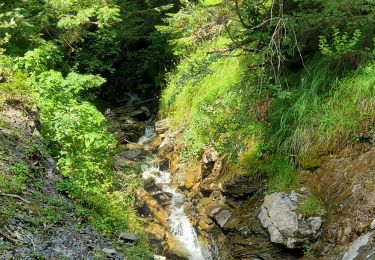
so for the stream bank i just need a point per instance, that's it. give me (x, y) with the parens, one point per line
(221, 215)
(36, 220)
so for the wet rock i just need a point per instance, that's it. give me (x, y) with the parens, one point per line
(161, 126)
(213, 182)
(209, 185)
(134, 146)
(146, 111)
(120, 136)
(122, 162)
(205, 223)
(131, 154)
(210, 155)
(218, 211)
(168, 140)
(128, 237)
(346, 186)
(155, 208)
(136, 113)
(278, 215)
(242, 186)
(190, 177)
(150, 185)
(157, 231)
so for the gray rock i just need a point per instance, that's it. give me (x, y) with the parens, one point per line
(109, 251)
(361, 248)
(210, 155)
(315, 223)
(128, 237)
(278, 215)
(131, 154)
(372, 226)
(223, 217)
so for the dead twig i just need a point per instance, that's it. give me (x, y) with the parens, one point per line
(14, 196)
(14, 241)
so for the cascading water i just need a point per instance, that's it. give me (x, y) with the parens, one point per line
(179, 222)
(149, 133)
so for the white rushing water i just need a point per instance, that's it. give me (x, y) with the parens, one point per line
(149, 133)
(180, 225)
(179, 222)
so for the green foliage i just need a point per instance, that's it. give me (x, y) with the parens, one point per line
(79, 136)
(311, 206)
(324, 114)
(14, 181)
(342, 44)
(213, 97)
(308, 248)
(283, 175)
(53, 51)
(269, 110)
(40, 59)
(194, 25)
(253, 165)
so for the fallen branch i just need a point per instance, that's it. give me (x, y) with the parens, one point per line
(14, 196)
(132, 105)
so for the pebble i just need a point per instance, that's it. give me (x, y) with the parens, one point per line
(372, 226)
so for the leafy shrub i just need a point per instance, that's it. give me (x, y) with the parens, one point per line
(78, 135)
(342, 44)
(40, 59)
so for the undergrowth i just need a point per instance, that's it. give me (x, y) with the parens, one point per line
(268, 127)
(76, 134)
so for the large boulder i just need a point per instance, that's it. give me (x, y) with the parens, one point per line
(285, 226)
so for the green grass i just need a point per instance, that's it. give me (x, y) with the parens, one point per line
(325, 113)
(214, 103)
(219, 101)
(283, 175)
(210, 2)
(311, 206)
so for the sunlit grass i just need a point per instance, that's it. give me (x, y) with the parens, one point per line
(210, 2)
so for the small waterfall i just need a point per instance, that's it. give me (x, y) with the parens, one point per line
(179, 222)
(149, 133)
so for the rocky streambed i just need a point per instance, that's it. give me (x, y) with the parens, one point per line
(204, 209)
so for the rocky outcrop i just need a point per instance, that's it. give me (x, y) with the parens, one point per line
(126, 122)
(362, 248)
(210, 156)
(284, 225)
(346, 185)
